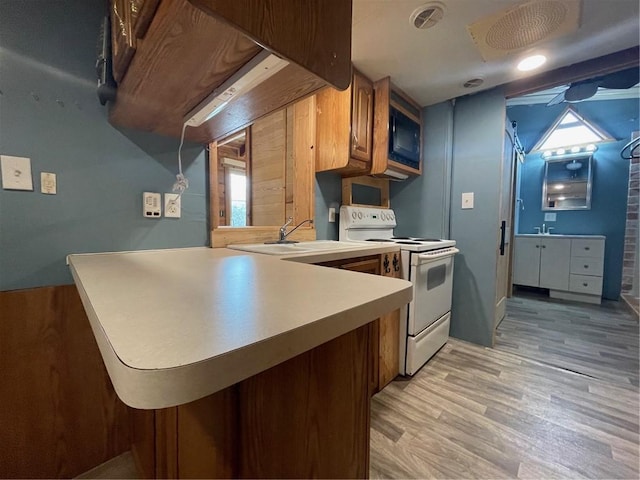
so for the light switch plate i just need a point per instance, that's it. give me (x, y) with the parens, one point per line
(48, 184)
(549, 217)
(467, 200)
(332, 215)
(16, 173)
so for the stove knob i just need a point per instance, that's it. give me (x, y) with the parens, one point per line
(392, 216)
(360, 215)
(383, 216)
(353, 215)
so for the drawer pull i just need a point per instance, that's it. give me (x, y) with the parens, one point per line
(537, 246)
(586, 266)
(585, 284)
(586, 248)
(544, 246)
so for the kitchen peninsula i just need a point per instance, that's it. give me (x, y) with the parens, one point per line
(239, 365)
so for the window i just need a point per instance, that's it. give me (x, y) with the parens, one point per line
(238, 186)
(570, 130)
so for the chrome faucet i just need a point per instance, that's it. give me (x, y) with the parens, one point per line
(283, 230)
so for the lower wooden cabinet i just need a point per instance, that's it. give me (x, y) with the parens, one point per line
(385, 340)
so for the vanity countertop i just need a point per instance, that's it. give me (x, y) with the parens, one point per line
(177, 325)
(559, 235)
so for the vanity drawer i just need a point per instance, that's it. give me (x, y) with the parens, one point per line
(581, 247)
(586, 266)
(585, 284)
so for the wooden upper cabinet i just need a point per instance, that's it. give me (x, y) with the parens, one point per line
(389, 96)
(123, 42)
(142, 12)
(345, 128)
(361, 118)
(185, 49)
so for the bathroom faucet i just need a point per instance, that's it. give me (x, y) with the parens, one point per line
(283, 230)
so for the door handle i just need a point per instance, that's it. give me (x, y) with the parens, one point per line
(503, 232)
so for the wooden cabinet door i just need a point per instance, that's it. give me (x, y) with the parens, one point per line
(361, 117)
(526, 261)
(389, 329)
(123, 42)
(142, 12)
(555, 261)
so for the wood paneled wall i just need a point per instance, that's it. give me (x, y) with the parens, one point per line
(59, 414)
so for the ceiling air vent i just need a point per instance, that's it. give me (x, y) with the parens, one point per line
(473, 83)
(427, 15)
(524, 25)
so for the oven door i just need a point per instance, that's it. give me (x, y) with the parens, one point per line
(432, 278)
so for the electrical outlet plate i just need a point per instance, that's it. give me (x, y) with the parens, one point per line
(48, 183)
(550, 217)
(332, 215)
(151, 205)
(16, 173)
(172, 205)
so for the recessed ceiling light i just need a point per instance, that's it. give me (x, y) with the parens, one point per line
(531, 63)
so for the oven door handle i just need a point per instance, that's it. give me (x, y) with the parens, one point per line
(426, 258)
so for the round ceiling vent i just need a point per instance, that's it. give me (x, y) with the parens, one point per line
(427, 15)
(473, 83)
(527, 24)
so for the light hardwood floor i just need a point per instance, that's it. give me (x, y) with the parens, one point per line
(475, 412)
(596, 340)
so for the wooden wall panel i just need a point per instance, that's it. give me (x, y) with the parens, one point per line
(59, 413)
(268, 172)
(311, 431)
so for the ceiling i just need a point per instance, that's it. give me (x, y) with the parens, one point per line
(431, 65)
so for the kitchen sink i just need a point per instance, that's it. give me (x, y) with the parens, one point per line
(271, 248)
(294, 248)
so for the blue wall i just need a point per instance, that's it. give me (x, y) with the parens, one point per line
(49, 112)
(422, 203)
(607, 215)
(328, 192)
(478, 140)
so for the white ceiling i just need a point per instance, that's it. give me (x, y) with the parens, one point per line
(431, 65)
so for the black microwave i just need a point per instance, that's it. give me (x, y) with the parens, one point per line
(404, 139)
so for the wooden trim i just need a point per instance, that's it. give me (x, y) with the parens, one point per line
(166, 422)
(380, 183)
(214, 201)
(304, 159)
(380, 153)
(576, 72)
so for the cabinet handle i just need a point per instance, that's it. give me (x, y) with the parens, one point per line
(385, 264)
(586, 248)
(396, 263)
(585, 284)
(544, 246)
(354, 142)
(586, 266)
(537, 246)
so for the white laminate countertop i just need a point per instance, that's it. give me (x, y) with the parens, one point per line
(559, 235)
(177, 325)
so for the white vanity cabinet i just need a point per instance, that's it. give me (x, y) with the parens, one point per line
(571, 267)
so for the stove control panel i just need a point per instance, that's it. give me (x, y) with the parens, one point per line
(366, 217)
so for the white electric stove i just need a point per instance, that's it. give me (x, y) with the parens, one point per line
(425, 262)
